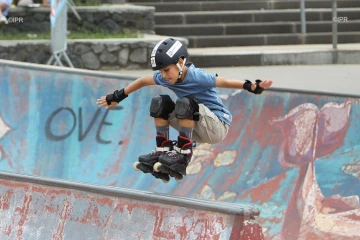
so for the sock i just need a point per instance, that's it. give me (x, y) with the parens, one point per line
(186, 132)
(163, 130)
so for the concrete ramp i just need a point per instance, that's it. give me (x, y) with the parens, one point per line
(293, 154)
(43, 208)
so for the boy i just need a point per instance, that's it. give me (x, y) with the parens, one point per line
(198, 113)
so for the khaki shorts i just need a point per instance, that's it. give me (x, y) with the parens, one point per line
(209, 129)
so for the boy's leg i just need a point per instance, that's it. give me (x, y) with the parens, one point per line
(209, 128)
(160, 108)
(186, 128)
(162, 127)
(163, 144)
(3, 8)
(177, 161)
(195, 122)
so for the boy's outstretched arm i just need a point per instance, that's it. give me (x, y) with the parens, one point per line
(111, 100)
(254, 87)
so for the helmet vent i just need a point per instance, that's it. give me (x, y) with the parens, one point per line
(160, 50)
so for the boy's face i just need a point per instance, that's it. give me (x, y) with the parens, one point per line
(170, 73)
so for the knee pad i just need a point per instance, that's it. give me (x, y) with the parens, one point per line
(187, 108)
(161, 106)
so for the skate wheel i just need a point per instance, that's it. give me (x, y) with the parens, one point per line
(178, 179)
(157, 167)
(165, 181)
(135, 166)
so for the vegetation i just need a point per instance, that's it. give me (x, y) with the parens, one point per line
(87, 3)
(75, 35)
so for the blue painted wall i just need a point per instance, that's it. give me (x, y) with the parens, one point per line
(294, 155)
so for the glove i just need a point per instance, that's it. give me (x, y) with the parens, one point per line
(117, 96)
(247, 86)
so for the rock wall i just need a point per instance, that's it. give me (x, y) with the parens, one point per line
(96, 54)
(106, 18)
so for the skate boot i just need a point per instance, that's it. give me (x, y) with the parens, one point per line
(146, 162)
(175, 162)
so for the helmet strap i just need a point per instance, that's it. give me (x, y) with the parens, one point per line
(180, 71)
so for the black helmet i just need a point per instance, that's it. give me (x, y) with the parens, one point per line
(167, 52)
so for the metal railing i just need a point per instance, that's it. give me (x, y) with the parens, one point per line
(334, 21)
(334, 24)
(303, 16)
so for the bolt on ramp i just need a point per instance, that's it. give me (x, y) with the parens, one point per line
(34, 207)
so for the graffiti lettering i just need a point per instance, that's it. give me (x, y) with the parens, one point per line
(49, 133)
(83, 130)
(103, 122)
(81, 135)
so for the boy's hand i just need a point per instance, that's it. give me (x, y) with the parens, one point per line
(111, 100)
(102, 103)
(264, 84)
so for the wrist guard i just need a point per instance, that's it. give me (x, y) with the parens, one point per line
(117, 96)
(247, 86)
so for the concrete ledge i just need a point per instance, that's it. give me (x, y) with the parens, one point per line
(270, 39)
(253, 28)
(105, 54)
(130, 54)
(107, 18)
(207, 205)
(127, 213)
(242, 5)
(276, 55)
(278, 15)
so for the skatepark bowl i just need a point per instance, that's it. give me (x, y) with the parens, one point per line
(288, 169)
